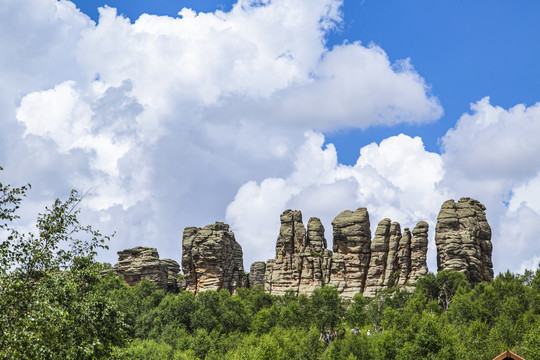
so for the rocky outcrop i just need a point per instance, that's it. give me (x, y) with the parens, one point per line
(256, 274)
(384, 267)
(404, 257)
(463, 240)
(211, 258)
(352, 249)
(419, 245)
(299, 261)
(392, 270)
(379, 253)
(141, 263)
(357, 263)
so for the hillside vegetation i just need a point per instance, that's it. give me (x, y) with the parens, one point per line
(54, 304)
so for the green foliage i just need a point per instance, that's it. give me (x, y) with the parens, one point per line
(442, 319)
(328, 308)
(51, 303)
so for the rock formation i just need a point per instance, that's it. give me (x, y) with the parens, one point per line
(419, 245)
(393, 269)
(298, 265)
(384, 266)
(211, 258)
(352, 249)
(143, 263)
(357, 263)
(463, 240)
(404, 257)
(256, 274)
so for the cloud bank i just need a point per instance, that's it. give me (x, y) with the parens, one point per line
(174, 122)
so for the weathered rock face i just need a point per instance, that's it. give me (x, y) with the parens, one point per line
(392, 270)
(352, 249)
(357, 264)
(463, 240)
(379, 253)
(143, 263)
(173, 269)
(384, 266)
(419, 245)
(256, 274)
(404, 257)
(211, 258)
(298, 265)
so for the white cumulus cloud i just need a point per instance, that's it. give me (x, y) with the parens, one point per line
(396, 178)
(163, 119)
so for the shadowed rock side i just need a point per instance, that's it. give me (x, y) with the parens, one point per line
(392, 271)
(256, 274)
(404, 257)
(463, 239)
(211, 258)
(141, 263)
(384, 266)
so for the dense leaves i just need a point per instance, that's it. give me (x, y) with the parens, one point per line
(50, 306)
(442, 318)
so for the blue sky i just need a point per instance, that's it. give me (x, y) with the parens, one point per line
(236, 111)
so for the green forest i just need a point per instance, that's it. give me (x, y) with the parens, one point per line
(56, 304)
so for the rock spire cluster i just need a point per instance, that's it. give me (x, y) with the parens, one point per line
(357, 263)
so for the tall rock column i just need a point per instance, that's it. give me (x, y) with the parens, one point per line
(419, 244)
(298, 265)
(352, 250)
(392, 271)
(463, 239)
(283, 273)
(379, 255)
(311, 258)
(404, 257)
(211, 258)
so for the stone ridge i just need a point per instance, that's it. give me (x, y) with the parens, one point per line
(141, 263)
(463, 240)
(211, 258)
(358, 264)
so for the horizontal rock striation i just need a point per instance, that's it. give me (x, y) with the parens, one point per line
(463, 240)
(299, 261)
(358, 264)
(256, 274)
(141, 263)
(211, 258)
